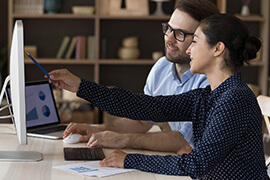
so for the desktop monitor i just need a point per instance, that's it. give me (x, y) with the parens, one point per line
(17, 81)
(17, 89)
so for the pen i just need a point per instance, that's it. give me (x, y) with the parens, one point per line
(38, 65)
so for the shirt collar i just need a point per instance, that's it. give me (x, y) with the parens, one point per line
(184, 77)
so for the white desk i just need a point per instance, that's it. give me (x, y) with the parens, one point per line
(52, 151)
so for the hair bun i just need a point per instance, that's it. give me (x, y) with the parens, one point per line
(252, 46)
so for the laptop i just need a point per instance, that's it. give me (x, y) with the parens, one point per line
(42, 119)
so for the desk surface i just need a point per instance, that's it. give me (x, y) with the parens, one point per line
(52, 152)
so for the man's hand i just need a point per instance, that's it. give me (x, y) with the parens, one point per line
(84, 129)
(116, 159)
(108, 139)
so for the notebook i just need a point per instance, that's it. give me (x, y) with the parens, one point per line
(42, 119)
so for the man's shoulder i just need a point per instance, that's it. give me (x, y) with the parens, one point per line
(162, 68)
(198, 80)
(162, 63)
(199, 76)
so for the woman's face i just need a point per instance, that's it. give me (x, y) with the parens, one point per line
(201, 54)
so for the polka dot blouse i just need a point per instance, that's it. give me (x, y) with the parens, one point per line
(227, 124)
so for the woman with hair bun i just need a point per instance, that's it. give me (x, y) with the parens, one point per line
(227, 120)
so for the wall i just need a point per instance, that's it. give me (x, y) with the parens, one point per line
(3, 34)
(3, 22)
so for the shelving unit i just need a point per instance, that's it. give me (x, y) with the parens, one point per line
(47, 30)
(258, 23)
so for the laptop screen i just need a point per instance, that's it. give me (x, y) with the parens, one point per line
(40, 105)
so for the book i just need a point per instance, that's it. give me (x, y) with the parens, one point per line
(80, 48)
(71, 48)
(63, 47)
(91, 47)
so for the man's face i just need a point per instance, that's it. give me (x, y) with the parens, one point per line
(175, 50)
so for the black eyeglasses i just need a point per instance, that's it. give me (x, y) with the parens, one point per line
(178, 34)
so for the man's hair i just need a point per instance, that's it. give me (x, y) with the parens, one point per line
(198, 9)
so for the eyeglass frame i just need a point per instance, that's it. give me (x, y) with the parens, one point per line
(173, 30)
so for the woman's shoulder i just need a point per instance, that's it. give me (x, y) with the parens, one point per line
(239, 94)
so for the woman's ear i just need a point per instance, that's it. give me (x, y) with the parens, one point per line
(219, 49)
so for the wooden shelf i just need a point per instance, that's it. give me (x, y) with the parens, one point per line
(149, 17)
(53, 16)
(253, 17)
(61, 61)
(92, 62)
(126, 62)
(256, 63)
(73, 16)
(109, 30)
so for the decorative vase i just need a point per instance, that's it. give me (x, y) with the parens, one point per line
(159, 11)
(245, 10)
(52, 6)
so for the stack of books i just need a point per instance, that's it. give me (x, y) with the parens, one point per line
(77, 47)
(29, 6)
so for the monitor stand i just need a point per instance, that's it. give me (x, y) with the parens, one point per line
(20, 156)
(16, 156)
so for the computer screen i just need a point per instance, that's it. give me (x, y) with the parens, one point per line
(17, 89)
(41, 109)
(17, 81)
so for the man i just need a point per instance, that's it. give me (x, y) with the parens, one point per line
(170, 75)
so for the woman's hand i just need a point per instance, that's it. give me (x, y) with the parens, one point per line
(63, 79)
(116, 159)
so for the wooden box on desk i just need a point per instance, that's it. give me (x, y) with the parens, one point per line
(73, 109)
(78, 117)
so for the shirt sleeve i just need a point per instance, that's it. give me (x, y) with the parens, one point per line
(229, 122)
(123, 103)
(150, 81)
(147, 88)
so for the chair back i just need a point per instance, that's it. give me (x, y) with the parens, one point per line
(264, 103)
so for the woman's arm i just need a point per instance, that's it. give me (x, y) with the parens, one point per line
(226, 127)
(124, 103)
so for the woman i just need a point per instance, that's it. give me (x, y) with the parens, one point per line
(227, 120)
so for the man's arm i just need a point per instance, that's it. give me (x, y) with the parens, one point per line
(160, 141)
(125, 125)
(121, 125)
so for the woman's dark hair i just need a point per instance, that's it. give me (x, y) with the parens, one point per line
(234, 34)
(197, 9)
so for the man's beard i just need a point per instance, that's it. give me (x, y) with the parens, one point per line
(180, 59)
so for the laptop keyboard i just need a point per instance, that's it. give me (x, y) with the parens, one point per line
(83, 154)
(48, 130)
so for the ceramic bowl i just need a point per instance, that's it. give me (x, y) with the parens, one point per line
(130, 42)
(128, 53)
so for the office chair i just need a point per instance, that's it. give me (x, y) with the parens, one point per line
(264, 103)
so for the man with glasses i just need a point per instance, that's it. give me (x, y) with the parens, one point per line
(170, 75)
